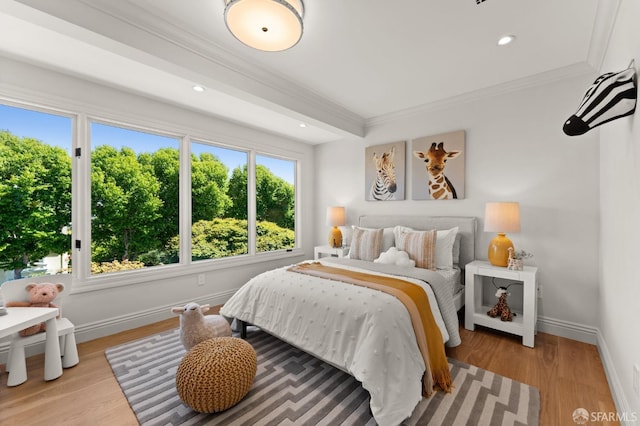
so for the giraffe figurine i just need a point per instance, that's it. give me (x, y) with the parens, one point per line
(501, 308)
(513, 263)
(439, 187)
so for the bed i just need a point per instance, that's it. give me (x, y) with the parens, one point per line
(365, 332)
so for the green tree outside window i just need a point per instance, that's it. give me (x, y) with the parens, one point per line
(35, 201)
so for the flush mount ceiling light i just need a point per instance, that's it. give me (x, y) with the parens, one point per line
(506, 39)
(269, 25)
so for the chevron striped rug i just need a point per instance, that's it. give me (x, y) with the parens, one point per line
(294, 388)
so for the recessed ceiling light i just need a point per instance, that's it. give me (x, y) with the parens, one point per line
(199, 89)
(506, 39)
(302, 125)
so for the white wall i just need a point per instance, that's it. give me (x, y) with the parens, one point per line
(619, 299)
(102, 312)
(515, 150)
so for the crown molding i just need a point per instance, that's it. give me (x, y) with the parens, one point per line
(571, 71)
(606, 15)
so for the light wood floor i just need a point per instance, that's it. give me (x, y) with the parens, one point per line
(569, 375)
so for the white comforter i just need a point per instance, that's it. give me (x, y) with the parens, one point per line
(359, 330)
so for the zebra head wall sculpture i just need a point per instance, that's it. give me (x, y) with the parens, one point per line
(612, 95)
(383, 188)
(439, 187)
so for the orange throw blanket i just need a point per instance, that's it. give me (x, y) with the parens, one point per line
(416, 301)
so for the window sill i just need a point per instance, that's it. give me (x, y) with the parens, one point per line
(120, 279)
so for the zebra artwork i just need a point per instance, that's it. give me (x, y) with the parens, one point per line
(383, 187)
(611, 96)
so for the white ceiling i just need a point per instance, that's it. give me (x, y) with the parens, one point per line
(358, 61)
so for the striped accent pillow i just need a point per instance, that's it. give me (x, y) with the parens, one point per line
(366, 244)
(420, 245)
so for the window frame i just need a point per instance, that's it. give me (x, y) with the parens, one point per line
(62, 112)
(86, 240)
(296, 196)
(187, 192)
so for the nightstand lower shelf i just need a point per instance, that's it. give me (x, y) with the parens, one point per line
(515, 326)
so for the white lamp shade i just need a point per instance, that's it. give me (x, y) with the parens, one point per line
(269, 25)
(502, 217)
(335, 216)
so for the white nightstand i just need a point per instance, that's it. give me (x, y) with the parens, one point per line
(321, 251)
(524, 323)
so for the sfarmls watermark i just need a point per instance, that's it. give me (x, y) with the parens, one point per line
(582, 417)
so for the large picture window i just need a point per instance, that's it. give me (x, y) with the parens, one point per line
(35, 192)
(127, 191)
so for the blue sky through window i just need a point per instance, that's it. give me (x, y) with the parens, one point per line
(57, 130)
(284, 169)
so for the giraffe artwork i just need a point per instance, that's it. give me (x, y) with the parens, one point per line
(439, 187)
(384, 172)
(435, 156)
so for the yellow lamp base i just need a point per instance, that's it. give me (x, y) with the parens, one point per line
(335, 237)
(499, 250)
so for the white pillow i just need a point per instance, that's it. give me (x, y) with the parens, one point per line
(445, 241)
(456, 250)
(393, 256)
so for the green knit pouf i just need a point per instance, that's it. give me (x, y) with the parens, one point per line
(216, 374)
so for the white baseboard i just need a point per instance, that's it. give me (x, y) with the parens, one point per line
(569, 330)
(109, 326)
(617, 392)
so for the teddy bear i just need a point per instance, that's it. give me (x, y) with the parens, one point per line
(40, 296)
(195, 327)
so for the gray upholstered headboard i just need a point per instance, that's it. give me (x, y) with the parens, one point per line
(466, 228)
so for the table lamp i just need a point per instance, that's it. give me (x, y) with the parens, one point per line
(501, 217)
(335, 218)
